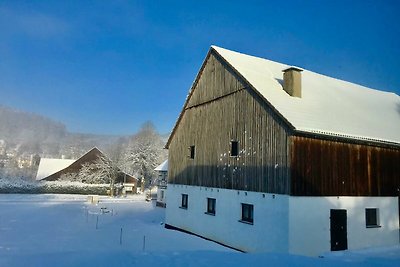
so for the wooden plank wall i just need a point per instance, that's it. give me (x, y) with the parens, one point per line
(222, 109)
(214, 82)
(331, 168)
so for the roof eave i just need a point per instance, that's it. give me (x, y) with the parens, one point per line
(347, 138)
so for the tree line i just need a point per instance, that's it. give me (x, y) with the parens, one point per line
(25, 135)
(137, 155)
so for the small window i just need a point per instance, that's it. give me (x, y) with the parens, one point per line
(192, 151)
(371, 217)
(234, 148)
(247, 213)
(211, 206)
(184, 204)
(162, 194)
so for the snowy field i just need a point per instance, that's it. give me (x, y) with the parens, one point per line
(64, 230)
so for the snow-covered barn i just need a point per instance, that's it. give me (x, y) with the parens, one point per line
(50, 166)
(270, 157)
(54, 169)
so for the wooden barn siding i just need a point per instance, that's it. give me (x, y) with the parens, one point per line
(89, 158)
(332, 168)
(221, 109)
(220, 82)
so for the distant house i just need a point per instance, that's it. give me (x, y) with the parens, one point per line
(53, 169)
(34, 160)
(162, 171)
(48, 167)
(89, 157)
(2, 146)
(269, 157)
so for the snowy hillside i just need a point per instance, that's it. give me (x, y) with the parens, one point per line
(31, 133)
(64, 230)
(27, 137)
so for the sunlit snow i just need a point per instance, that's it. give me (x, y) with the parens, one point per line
(65, 230)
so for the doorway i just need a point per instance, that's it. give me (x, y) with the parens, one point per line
(338, 230)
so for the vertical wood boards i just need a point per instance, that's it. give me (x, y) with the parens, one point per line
(214, 83)
(343, 169)
(222, 109)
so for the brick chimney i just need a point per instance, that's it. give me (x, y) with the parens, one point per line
(292, 81)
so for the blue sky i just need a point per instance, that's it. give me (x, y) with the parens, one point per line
(108, 66)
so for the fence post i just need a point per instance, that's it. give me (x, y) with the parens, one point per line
(120, 237)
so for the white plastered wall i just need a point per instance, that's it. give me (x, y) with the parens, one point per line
(268, 233)
(296, 225)
(161, 195)
(309, 223)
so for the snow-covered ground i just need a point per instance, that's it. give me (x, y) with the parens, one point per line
(60, 230)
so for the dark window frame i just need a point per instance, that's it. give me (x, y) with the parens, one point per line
(234, 148)
(211, 205)
(247, 213)
(184, 201)
(372, 218)
(192, 151)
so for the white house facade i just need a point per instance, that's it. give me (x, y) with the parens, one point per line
(162, 179)
(281, 223)
(310, 231)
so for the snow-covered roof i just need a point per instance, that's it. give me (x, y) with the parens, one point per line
(327, 106)
(48, 166)
(162, 167)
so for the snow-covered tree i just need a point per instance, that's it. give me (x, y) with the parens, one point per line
(144, 153)
(107, 169)
(11, 170)
(70, 177)
(101, 171)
